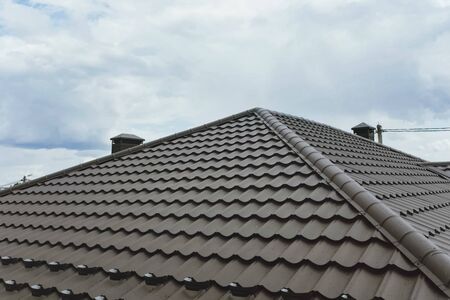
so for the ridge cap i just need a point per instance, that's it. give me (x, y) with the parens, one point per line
(130, 150)
(427, 257)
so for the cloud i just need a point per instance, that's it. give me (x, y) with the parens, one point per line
(74, 73)
(19, 162)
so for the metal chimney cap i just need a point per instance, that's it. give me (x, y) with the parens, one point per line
(124, 141)
(363, 125)
(127, 136)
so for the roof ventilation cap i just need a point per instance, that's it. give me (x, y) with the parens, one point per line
(124, 141)
(364, 130)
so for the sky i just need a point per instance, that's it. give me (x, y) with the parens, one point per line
(74, 73)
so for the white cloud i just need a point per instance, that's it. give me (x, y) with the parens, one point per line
(18, 162)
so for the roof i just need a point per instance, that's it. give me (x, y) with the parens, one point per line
(442, 167)
(258, 204)
(127, 136)
(362, 125)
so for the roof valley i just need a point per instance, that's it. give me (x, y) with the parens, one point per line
(432, 261)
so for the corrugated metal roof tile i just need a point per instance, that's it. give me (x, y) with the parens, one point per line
(230, 202)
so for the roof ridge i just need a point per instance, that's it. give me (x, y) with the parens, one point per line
(433, 262)
(354, 135)
(126, 151)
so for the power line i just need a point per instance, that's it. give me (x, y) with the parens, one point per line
(429, 129)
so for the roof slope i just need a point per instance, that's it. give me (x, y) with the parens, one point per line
(236, 207)
(404, 183)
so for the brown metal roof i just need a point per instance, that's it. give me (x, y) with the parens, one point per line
(241, 207)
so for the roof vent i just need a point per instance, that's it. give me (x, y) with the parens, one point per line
(364, 130)
(124, 141)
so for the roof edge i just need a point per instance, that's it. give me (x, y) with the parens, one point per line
(433, 262)
(125, 152)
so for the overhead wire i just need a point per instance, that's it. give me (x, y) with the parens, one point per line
(429, 129)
